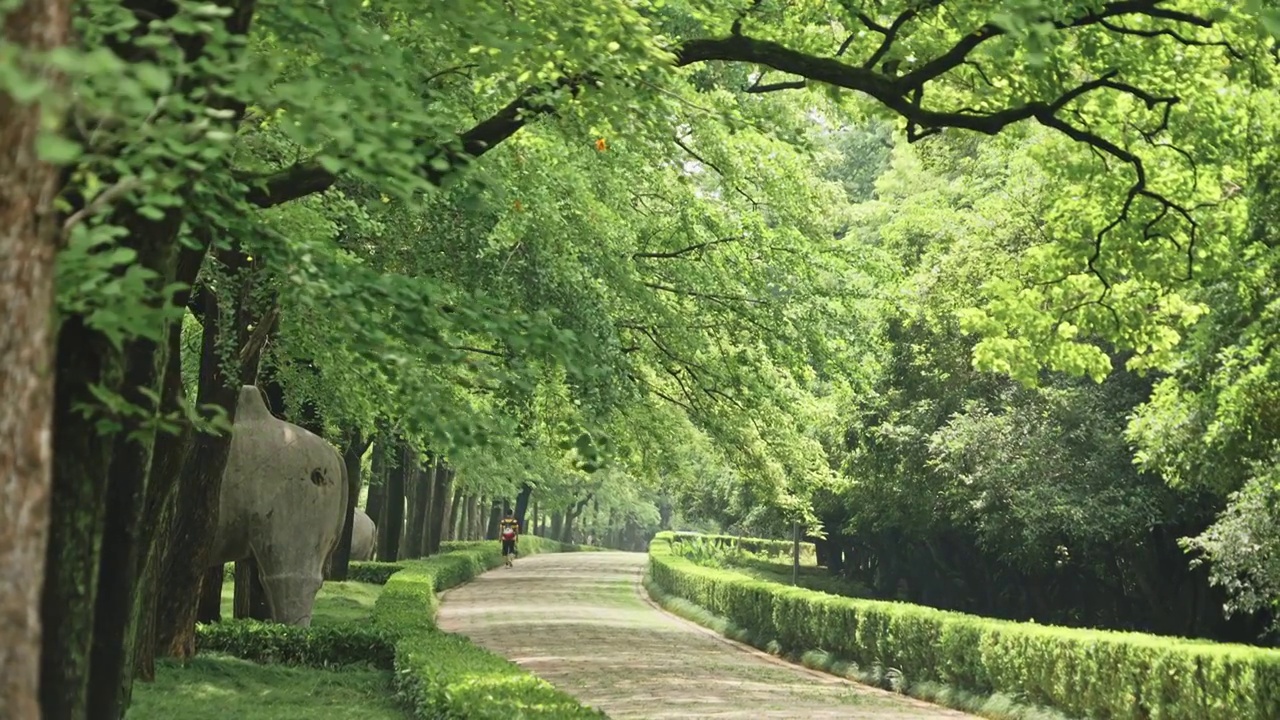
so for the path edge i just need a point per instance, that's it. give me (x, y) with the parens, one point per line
(825, 677)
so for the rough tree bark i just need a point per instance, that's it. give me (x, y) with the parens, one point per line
(420, 499)
(116, 600)
(522, 503)
(440, 506)
(186, 550)
(665, 512)
(210, 608)
(352, 452)
(476, 532)
(28, 237)
(389, 549)
(410, 487)
(250, 598)
(451, 528)
(109, 619)
(166, 466)
(376, 501)
(463, 528)
(495, 517)
(76, 516)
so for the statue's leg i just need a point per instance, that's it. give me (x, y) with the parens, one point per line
(291, 584)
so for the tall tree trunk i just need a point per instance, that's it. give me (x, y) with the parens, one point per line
(375, 504)
(464, 522)
(522, 503)
(394, 499)
(575, 510)
(665, 513)
(495, 517)
(566, 531)
(124, 479)
(411, 478)
(352, 452)
(441, 499)
(226, 322)
(27, 239)
(77, 512)
(435, 500)
(210, 608)
(115, 617)
(166, 467)
(557, 524)
(476, 531)
(455, 507)
(420, 499)
(250, 598)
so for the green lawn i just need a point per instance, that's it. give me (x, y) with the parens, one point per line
(338, 602)
(217, 687)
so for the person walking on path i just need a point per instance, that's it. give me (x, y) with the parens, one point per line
(509, 533)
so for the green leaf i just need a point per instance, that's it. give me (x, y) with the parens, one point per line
(56, 149)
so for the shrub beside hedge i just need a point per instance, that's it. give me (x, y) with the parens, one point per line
(317, 646)
(1084, 673)
(374, 573)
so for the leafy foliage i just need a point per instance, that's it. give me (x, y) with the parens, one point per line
(634, 255)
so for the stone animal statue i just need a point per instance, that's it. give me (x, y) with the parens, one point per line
(284, 502)
(364, 536)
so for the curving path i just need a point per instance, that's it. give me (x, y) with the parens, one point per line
(584, 622)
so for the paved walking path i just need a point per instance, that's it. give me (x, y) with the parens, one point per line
(584, 622)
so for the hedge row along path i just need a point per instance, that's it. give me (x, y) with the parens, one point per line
(583, 622)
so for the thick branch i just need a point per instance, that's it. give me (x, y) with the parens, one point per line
(757, 88)
(707, 296)
(1170, 33)
(890, 33)
(901, 94)
(682, 251)
(311, 177)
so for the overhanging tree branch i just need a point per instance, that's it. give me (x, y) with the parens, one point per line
(706, 296)
(311, 177)
(682, 251)
(903, 94)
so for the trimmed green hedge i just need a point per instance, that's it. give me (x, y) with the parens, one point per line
(760, 546)
(374, 573)
(445, 676)
(1084, 673)
(436, 674)
(316, 646)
